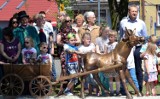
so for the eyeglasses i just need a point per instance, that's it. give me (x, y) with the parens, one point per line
(67, 21)
(14, 22)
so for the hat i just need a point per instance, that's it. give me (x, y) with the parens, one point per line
(22, 14)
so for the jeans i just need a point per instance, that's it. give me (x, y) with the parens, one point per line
(53, 69)
(138, 67)
(132, 72)
(134, 78)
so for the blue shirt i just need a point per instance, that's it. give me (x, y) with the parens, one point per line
(132, 24)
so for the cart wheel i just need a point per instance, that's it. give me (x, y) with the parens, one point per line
(11, 85)
(40, 86)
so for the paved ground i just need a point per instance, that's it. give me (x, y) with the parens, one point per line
(76, 97)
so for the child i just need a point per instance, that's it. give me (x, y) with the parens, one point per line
(86, 47)
(150, 68)
(71, 61)
(29, 53)
(152, 39)
(45, 57)
(102, 40)
(112, 36)
(101, 43)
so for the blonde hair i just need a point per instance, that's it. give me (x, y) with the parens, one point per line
(151, 48)
(113, 33)
(79, 16)
(30, 40)
(43, 43)
(152, 39)
(37, 16)
(84, 35)
(103, 27)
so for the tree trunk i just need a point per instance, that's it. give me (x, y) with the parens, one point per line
(117, 11)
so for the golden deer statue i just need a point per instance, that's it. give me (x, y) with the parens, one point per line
(119, 55)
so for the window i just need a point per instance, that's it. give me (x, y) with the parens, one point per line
(158, 15)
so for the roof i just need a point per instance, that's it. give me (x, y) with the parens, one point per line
(32, 7)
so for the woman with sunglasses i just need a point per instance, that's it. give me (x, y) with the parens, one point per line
(13, 23)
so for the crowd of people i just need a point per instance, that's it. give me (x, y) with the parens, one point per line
(23, 40)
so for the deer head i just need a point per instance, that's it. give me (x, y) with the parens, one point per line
(131, 38)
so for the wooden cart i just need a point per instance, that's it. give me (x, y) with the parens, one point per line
(39, 76)
(12, 83)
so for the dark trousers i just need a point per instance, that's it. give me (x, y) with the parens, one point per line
(138, 67)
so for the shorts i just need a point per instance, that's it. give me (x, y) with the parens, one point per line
(72, 68)
(152, 76)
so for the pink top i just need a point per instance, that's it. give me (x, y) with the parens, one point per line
(151, 63)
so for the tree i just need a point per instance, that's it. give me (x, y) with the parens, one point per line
(117, 11)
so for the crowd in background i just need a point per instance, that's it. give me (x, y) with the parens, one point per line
(25, 39)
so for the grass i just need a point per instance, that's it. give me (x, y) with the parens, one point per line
(78, 88)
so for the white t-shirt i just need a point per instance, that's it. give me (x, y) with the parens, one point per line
(111, 47)
(28, 53)
(86, 49)
(45, 58)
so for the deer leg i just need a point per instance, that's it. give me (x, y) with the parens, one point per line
(82, 87)
(96, 77)
(128, 76)
(123, 79)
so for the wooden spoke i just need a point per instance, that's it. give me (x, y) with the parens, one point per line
(40, 86)
(10, 86)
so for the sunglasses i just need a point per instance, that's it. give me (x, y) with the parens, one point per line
(45, 47)
(26, 42)
(14, 22)
(67, 21)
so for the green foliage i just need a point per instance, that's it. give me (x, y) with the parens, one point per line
(67, 3)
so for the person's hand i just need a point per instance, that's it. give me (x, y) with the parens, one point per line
(158, 54)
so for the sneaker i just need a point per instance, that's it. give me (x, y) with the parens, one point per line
(68, 93)
(117, 93)
(98, 94)
(111, 94)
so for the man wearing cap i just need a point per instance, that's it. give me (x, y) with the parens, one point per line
(25, 30)
(89, 26)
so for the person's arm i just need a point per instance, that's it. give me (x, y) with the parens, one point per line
(4, 54)
(144, 30)
(59, 42)
(146, 65)
(78, 39)
(23, 57)
(19, 52)
(97, 49)
(52, 49)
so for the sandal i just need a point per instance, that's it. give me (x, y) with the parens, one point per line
(147, 94)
